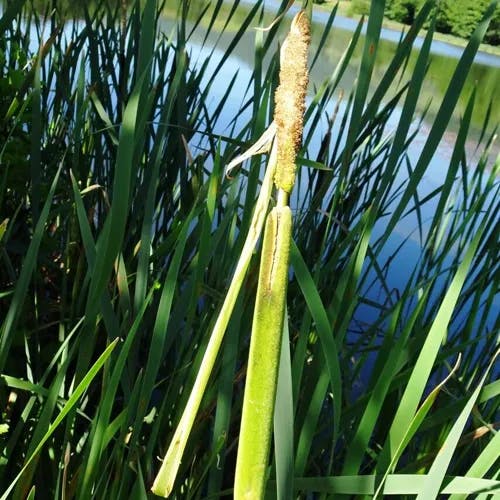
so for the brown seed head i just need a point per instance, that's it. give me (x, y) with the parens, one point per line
(290, 99)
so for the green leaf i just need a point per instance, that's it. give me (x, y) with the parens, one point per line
(7, 329)
(78, 392)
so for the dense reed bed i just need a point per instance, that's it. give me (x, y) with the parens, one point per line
(120, 233)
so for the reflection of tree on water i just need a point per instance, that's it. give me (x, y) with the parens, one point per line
(435, 85)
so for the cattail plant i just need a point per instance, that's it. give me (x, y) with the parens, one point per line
(107, 286)
(262, 373)
(271, 293)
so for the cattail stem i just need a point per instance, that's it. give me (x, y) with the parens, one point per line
(164, 481)
(267, 327)
(265, 346)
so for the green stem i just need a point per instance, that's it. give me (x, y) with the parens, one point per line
(265, 345)
(165, 479)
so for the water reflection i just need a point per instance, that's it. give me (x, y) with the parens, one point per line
(484, 74)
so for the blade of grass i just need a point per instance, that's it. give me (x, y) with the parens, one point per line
(413, 426)
(283, 421)
(7, 331)
(436, 474)
(426, 358)
(97, 441)
(397, 484)
(481, 466)
(78, 392)
(364, 76)
(318, 313)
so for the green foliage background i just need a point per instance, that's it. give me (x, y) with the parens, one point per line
(120, 233)
(457, 17)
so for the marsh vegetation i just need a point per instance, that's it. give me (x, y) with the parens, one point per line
(120, 234)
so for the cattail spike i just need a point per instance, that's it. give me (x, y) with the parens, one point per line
(290, 100)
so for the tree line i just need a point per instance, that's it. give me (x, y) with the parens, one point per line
(455, 17)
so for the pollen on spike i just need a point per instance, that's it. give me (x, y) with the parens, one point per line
(290, 100)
